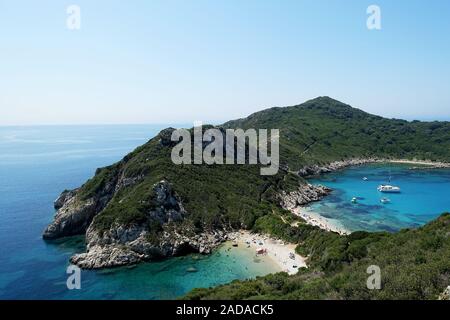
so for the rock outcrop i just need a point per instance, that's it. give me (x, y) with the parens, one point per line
(315, 170)
(124, 245)
(72, 218)
(305, 194)
(63, 198)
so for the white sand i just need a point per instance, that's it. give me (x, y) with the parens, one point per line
(317, 220)
(277, 250)
(422, 162)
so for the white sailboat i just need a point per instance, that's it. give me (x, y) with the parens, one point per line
(388, 188)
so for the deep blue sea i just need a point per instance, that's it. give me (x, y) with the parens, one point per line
(37, 163)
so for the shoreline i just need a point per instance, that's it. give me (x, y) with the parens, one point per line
(315, 219)
(316, 170)
(430, 164)
(278, 251)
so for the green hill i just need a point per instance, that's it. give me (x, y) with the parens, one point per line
(324, 130)
(145, 207)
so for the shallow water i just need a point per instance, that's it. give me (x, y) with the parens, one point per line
(36, 164)
(424, 196)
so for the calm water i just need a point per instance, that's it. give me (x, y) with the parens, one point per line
(424, 196)
(36, 164)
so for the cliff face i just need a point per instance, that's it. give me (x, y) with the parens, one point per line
(129, 244)
(73, 216)
(302, 196)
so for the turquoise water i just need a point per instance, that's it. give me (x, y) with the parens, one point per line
(36, 164)
(425, 195)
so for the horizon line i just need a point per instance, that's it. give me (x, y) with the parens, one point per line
(215, 122)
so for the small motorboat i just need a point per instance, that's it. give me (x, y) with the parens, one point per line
(365, 179)
(354, 200)
(385, 200)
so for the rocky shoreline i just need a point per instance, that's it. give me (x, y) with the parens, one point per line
(303, 195)
(315, 170)
(125, 245)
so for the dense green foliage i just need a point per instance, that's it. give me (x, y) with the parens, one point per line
(214, 196)
(414, 264)
(323, 130)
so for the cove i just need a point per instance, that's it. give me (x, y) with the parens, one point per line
(424, 196)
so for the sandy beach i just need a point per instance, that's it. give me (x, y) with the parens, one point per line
(422, 163)
(282, 253)
(316, 219)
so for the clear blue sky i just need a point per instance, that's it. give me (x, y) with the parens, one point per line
(213, 60)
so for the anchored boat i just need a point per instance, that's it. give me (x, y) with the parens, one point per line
(387, 188)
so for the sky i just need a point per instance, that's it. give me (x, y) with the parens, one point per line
(214, 60)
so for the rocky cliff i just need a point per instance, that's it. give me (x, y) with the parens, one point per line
(302, 196)
(129, 244)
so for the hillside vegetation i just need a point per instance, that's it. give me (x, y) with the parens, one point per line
(414, 264)
(323, 130)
